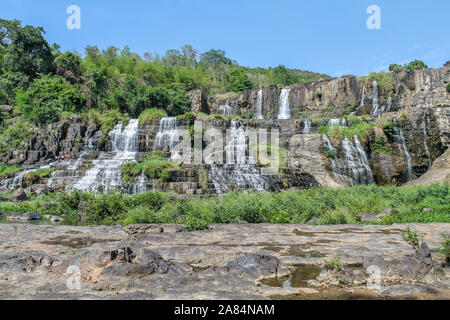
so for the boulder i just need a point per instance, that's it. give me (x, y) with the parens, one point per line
(385, 213)
(427, 210)
(143, 228)
(368, 217)
(19, 195)
(313, 221)
(254, 265)
(27, 216)
(54, 219)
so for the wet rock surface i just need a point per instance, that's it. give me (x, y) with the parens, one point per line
(225, 262)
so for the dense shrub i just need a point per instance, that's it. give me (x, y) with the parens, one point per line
(331, 206)
(154, 167)
(151, 114)
(47, 97)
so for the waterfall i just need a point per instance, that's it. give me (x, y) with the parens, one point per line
(306, 126)
(364, 162)
(106, 174)
(259, 101)
(337, 122)
(425, 137)
(401, 143)
(167, 132)
(375, 100)
(226, 109)
(140, 185)
(363, 96)
(69, 176)
(284, 108)
(389, 104)
(16, 181)
(240, 171)
(355, 168)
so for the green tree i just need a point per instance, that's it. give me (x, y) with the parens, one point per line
(25, 49)
(239, 81)
(416, 65)
(68, 65)
(395, 67)
(47, 97)
(282, 75)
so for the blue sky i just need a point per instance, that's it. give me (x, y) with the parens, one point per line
(326, 36)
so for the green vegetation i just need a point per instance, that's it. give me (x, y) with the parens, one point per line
(34, 176)
(357, 127)
(5, 170)
(154, 167)
(151, 114)
(333, 263)
(413, 65)
(44, 84)
(416, 65)
(411, 237)
(385, 80)
(381, 146)
(448, 87)
(445, 247)
(330, 206)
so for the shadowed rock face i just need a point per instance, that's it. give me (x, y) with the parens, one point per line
(180, 265)
(417, 102)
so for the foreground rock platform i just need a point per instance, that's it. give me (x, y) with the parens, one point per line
(224, 262)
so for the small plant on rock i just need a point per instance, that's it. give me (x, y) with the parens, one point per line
(448, 87)
(334, 263)
(445, 248)
(411, 237)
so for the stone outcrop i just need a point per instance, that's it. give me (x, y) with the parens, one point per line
(100, 262)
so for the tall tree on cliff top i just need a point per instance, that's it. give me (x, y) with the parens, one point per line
(25, 49)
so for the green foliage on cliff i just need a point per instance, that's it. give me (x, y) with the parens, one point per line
(47, 97)
(154, 167)
(16, 135)
(416, 65)
(151, 114)
(43, 82)
(381, 146)
(448, 87)
(34, 176)
(239, 81)
(385, 80)
(6, 170)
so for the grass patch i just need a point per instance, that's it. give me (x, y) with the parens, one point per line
(151, 114)
(154, 167)
(330, 206)
(6, 170)
(385, 80)
(34, 176)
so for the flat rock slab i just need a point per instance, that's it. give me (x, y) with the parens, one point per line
(225, 262)
(24, 216)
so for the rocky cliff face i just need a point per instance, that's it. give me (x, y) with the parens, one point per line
(405, 124)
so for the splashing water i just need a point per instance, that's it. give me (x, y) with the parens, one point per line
(284, 108)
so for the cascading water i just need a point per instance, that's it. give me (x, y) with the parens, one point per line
(389, 104)
(70, 175)
(240, 171)
(401, 143)
(168, 131)
(284, 108)
(259, 102)
(226, 109)
(306, 126)
(16, 181)
(337, 122)
(363, 96)
(425, 137)
(375, 100)
(106, 174)
(355, 169)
